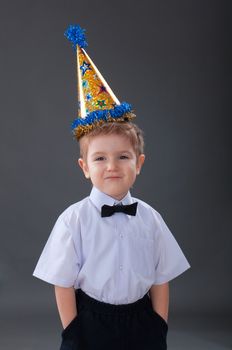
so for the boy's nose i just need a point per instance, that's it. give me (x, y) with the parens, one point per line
(111, 165)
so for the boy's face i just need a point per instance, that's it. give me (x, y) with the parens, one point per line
(111, 164)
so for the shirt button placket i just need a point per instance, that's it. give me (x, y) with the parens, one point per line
(121, 236)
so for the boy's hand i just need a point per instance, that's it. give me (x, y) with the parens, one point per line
(159, 295)
(66, 303)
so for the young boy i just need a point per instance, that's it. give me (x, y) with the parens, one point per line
(110, 255)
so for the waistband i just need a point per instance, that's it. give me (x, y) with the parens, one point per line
(85, 300)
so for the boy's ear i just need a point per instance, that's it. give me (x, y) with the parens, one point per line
(84, 167)
(140, 162)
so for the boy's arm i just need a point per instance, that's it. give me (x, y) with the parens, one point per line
(159, 295)
(66, 303)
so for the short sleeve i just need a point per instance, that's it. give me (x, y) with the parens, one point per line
(59, 263)
(170, 261)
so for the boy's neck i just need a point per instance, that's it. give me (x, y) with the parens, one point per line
(118, 198)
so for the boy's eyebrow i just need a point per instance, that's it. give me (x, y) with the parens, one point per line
(96, 153)
(125, 152)
(102, 152)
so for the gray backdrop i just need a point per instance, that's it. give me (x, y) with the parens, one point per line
(171, 61)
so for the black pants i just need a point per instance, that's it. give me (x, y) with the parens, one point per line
(103, 326)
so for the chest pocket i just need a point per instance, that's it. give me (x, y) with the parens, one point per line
(141, 256)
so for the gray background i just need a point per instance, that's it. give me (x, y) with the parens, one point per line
(171, 61)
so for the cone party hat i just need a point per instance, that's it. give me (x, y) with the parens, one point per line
(97, 104)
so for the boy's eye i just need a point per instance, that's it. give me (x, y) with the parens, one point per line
(124, 157)
(99, 158)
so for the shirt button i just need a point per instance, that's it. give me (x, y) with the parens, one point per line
(120, 267)
(121, 235)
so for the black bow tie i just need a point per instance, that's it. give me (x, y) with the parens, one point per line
(108, 210)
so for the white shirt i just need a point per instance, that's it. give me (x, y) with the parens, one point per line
(113, 259)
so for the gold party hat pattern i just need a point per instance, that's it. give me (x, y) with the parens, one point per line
(97, 104)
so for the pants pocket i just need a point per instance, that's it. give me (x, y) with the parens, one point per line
(160, 318)
(70, 327)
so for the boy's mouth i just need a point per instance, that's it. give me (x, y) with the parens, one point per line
(112, 177)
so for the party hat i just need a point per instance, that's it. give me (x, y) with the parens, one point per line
(97, 104)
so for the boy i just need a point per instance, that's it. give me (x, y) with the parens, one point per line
(110, 256)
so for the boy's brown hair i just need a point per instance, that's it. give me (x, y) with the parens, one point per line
(127, 129)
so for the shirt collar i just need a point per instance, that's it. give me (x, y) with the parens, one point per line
(99, 198)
